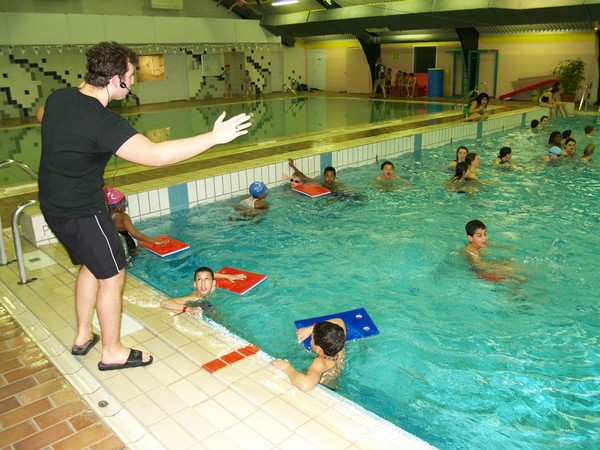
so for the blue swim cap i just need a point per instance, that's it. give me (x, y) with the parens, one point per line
(257, 188)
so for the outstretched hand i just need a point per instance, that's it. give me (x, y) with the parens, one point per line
(227, 130)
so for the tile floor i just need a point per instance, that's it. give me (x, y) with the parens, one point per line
(38, 408)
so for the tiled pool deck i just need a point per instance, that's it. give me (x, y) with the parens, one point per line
(207, 388)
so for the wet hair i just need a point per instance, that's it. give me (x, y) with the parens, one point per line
(385, 163)
(544, 117)
(460, 170)
(567, 133)
(504, 151)
(552, 136)
(298, 174)
(589, 150)
(458, 149)
(472, 226)
(570, 140)
(106, 60)
(534, 123)
(204, 269)
(329, 169)
(481, 97)
(330, 337)
(588, 129)
(470, 158)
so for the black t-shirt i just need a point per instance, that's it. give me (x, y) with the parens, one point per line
(380, 71)
(79, 136)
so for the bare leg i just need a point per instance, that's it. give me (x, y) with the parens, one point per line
(105, 295)
(561, 108)
(86, 291)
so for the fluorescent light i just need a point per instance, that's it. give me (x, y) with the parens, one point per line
(283, 2)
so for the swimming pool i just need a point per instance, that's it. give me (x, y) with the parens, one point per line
(274, 120)
(460, 362)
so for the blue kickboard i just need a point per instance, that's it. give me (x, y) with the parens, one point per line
(359, 324)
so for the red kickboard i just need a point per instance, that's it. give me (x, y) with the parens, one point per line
(171, 247)
(312, 190)
(239, 286)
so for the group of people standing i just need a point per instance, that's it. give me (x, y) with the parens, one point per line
(404, 83)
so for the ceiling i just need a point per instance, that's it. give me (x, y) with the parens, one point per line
(387, 21)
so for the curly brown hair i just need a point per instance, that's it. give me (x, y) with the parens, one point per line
(106, 60)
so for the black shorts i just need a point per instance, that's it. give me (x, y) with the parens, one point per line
(92, 241)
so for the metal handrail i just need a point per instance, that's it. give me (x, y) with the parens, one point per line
(473, 91)
(465, 97)
(583, 97)
(26, 168)
(17, 241)
(287, 86)
(21, 165)
(3, 257)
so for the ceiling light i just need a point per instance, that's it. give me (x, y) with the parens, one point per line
(283, 2)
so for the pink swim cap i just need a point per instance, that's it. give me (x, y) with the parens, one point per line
(113, 196)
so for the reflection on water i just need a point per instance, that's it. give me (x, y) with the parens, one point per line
(272, 120)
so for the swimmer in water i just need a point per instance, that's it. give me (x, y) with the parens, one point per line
(461, 153)
(504, 156)
(329, 176)
(588, 151)
(475, 249)
(327, 341)
(204, 285)
(253, 203)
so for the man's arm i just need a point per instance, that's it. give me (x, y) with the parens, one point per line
(141, 150)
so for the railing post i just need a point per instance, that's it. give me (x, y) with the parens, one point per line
(2, 246)
(20, 165)
(17, 241)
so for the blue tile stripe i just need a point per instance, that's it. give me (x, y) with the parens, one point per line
(178, 197)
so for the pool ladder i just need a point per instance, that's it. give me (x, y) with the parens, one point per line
(15, 226)
(584, 98)
(286, 87)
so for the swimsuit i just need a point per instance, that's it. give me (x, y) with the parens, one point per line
(248, 203)
(330, 376)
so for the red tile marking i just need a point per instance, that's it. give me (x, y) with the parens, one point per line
(230, 358)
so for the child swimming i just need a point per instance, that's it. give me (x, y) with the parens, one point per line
(493, 271)
(327, 341)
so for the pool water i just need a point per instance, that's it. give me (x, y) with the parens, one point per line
(460, 362)
(274, 119)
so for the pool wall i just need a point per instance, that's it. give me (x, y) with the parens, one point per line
(163, 201)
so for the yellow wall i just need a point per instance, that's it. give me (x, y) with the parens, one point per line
(519, 56)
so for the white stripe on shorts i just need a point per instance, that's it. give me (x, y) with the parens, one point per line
(107, 243)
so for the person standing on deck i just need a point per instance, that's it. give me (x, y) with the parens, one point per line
(79, 136)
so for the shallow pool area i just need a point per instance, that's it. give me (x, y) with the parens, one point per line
(460, 362)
